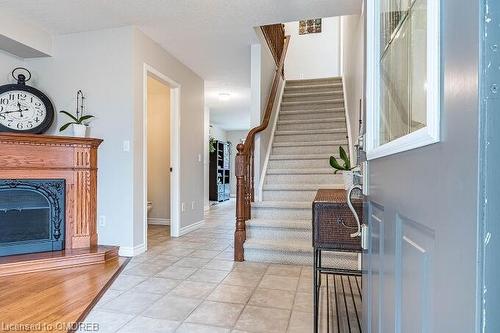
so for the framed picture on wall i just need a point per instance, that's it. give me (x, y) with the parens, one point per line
(311, 26)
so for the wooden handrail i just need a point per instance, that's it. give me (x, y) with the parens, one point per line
(244, 166)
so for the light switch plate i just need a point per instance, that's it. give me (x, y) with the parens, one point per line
(126, 145)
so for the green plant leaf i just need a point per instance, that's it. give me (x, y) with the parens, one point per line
(63, 127)
(345, 158)
(69, 115)
(83, 118)
(334, 164)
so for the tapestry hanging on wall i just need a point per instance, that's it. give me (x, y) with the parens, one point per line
(311, 26)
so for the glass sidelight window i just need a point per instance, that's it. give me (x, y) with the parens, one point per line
(403, 85)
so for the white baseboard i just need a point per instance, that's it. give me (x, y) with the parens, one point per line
(132, 251)
(158, 221)
(191, 227)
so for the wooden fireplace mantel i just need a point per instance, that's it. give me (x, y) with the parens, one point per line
(28, 156)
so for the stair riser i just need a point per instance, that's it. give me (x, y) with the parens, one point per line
(310, 137)
(289, 195)
(281, 213)
(310, 115)
(279, 234)
(312, 126)
(299, 164)
(306, 150)
(337, 260)
(312, 105)
(313, 97)
(305, 179)
(313, 89)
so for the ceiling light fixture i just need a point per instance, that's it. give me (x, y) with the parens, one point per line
(224, 96)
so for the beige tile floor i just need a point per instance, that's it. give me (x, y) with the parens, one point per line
(191, 285)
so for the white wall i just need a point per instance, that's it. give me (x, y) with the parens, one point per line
(217, 133)
(262, 70)
(7, 63)
(206, 158)
(103, 71)
(145, 50)
(158, 151)
(21, 37)
(235, 137)
(316, 55)
(353, 70)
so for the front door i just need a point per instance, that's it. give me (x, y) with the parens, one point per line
(423, 59)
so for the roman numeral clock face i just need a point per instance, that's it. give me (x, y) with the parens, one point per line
(24, 111)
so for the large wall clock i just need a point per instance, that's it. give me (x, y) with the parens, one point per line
(24, 109)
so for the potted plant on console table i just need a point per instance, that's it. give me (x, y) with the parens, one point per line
(346, 168)
(79, 121)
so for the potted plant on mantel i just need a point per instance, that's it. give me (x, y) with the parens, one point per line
(346, 168)
(79, 122)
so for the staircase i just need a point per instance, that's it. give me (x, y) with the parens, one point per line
(311, 126)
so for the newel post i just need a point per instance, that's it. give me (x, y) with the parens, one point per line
(240, 232)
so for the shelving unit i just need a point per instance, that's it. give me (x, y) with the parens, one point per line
(220, 177)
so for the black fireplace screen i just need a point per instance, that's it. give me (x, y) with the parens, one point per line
(31, 215)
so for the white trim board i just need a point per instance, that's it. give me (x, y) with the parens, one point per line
(271, 141)
(350, 140)
(424, 136)
(192, 227)
(158, 221)
(131, 251)
(175, 96)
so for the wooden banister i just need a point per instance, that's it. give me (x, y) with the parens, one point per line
(274, 35)
(244, 166)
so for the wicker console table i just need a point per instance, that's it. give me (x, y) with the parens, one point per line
(333, 223)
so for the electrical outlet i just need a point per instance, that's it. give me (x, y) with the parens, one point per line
(192, 205)
(199, 157)
(183, 207)
(102, 221)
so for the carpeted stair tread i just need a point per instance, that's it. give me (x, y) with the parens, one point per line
(312, 112)
(310, 121)
(301, 187)
(281, 224)
(283, 204)
(322, 101)
(321, 171)
(311, 132)
(302, 157)
(310, 144)
(319, 94)
(323, 80)
(282, 246)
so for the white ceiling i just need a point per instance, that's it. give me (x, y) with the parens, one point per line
(212, 37)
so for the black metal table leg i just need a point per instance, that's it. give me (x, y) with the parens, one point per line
(316, 290)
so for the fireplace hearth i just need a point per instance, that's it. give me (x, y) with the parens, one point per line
(32, 215)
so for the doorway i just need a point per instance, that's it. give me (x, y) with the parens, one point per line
(161, 154)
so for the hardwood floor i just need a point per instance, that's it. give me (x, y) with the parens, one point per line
(53, 301)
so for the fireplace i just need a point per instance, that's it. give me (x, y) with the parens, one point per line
(32, 215)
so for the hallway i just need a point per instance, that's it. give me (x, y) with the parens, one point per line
(191, 284)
